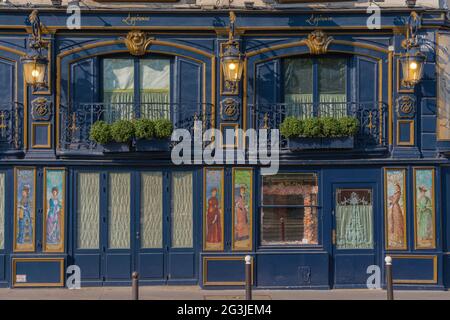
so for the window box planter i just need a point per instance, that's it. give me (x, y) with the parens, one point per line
(144, 145)
(302, 143)
(116, 147)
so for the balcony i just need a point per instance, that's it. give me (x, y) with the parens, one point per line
(76, 121)
(372, 118)
(11, 125)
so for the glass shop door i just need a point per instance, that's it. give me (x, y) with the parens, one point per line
(353, 235)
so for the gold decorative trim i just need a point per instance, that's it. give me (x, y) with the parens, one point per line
(137, 42)
(224, 283)
(433, 201)
(418, 281)
(49, 135)
(226, 125)
(411, 140)
(53, 248)
(386, 204)
(318, 42)
(233, 211)
(49, 284)
(32, 247)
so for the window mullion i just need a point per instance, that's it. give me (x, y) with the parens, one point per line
(137, 88)
(316, 93)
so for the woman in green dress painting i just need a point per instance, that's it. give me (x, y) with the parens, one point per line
(424, 216)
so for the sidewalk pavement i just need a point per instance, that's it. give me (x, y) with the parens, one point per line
(196, 293)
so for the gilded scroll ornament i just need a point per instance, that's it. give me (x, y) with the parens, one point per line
(137, 42)
(318, 42)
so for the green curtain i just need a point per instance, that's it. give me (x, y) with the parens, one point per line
(354, 229)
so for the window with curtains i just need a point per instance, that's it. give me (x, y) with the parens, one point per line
(354, 221)
(289, 211)
(136, 88)
(315, 87)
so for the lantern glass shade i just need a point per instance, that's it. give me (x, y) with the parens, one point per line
(34, 69)
(412, 67)
(232, 64)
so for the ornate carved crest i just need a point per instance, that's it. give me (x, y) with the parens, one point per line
(137, 42)
(406, 106)
(41, 109)
(318, 42)
(229, 109)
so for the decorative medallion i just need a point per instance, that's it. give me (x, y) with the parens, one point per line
(41, 109)
(229, 109)
(406, 107)
(137, 42)
(318, 42)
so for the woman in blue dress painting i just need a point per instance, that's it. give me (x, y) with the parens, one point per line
(53, 218)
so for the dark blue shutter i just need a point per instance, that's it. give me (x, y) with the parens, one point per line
(189, 85)
(7, 81)
(268, 83)
(84, 82)
(367, 80)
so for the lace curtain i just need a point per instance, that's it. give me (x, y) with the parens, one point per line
(119, 88)
(119, 218)
(151, 209)
(88, 213)
(2, 211)
(299, 87)
(182, 204)
(354, 222)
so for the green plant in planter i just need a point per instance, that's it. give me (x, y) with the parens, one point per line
(330, 127)
(122, 131)
(312, 127)
(163, 128)
(291, 127)
(100, 132)
(349, 126)
(145, 129)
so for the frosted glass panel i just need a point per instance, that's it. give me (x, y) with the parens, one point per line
(2, 211)
(88, 214)
(151, 209)
(119, 211)
(182, 210)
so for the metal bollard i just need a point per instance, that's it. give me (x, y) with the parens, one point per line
(389, 284)
(135, 286)
(248, 278)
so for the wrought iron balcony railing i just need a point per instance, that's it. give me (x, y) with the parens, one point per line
(372, 117)
(11, 127)
(76, 120)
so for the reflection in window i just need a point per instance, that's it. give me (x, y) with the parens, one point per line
(315, 87)
(289, 209)
(354, 229)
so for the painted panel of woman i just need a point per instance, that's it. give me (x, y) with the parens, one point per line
(214, 228)
(396, 220)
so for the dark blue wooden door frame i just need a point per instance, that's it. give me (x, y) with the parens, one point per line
(376, 214)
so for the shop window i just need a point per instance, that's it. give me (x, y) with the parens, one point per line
(315, 87)
(2, 211)
(88, 210)
(119, 210)
(151, 210)
(136, 86)
(182, 208)
(289, 214)
(354, 220)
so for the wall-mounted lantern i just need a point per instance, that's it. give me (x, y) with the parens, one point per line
(232, 59)
(35, 65)
(413, 59)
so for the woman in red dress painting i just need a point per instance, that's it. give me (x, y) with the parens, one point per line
(396, 231)
(242, 223)
(214, 231)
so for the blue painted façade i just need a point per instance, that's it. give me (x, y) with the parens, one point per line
(49, 128)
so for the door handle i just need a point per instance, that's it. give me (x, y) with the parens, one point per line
(334, 237)
(138, 235)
